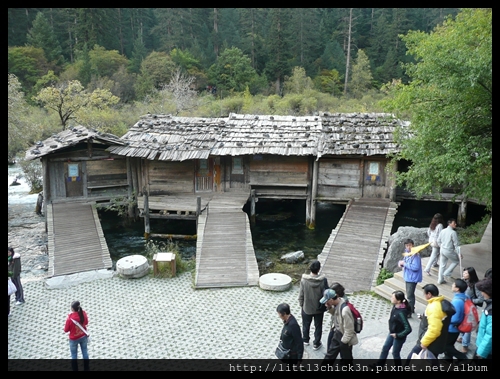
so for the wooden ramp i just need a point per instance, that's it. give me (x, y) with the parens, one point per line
(225, 256)
(75, 239)
(354, 248)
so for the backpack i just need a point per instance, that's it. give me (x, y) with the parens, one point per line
(358, 319)
(448, 308)
(471, 317)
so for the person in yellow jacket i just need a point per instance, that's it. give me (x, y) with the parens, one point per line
(434, 323)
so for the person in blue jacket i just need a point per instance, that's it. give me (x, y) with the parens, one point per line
(412, 272)
(484, 333)
(458, 287)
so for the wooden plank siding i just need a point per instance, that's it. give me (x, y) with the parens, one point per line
(357, 239)
(75, 239)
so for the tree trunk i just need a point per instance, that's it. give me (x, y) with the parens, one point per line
(348, 53)
(462, 213)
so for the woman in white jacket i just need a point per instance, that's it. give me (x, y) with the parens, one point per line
(435, 228)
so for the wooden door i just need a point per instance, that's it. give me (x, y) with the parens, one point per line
(73, 177)
(204, 175)
(217, 175)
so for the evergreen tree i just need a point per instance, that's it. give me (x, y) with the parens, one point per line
(361, 75)
(138, 54)
(41, 35)
(278, 43)
(305, 26)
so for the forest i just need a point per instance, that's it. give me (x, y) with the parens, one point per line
(105, 67)
(265, 44)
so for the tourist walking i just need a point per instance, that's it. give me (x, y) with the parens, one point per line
(399, 329)
(433, 231)
(469, 275)
(291, 336)
(449, 250)
(311, 291)
(344, 336)
(76, 326)
(433, 328)
(484, 337)
(458, 288)
(412, 272)
(14, 267)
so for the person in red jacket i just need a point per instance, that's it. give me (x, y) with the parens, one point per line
(76, 326)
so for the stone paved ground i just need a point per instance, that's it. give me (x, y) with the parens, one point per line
(152, 318)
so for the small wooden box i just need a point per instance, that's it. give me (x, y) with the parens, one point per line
(164, 257)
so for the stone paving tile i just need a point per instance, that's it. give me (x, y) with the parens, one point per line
(161, 318)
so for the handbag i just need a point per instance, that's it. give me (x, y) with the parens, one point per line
(281, 352)
(424, 354)
(82, 329)
(12, 287)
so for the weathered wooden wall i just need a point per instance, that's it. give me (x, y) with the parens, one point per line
(101, 177)
(166, 177)
(105, 177)
(377, 183)
(278, 170)
(339, 178)
(347, 178)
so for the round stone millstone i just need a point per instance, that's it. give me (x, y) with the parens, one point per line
(275, 282)
(133, 266)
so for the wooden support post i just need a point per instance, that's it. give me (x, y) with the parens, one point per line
(129, 189)
(462, 213)
(147, 229)
(253, 200)
(312, 193)
(198, 209)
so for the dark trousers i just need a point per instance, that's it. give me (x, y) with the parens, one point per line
(396, 344)
(318, 326)
(410, 294)
(19, 293)
(450, 350)
(335, 346)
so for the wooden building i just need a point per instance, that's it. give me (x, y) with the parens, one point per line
(328, 157)
(77, 167)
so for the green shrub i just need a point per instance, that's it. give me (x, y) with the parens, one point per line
(383, 275)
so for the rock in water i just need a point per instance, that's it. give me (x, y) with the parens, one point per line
(294, 257)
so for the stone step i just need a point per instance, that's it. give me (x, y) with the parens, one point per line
(397, 283)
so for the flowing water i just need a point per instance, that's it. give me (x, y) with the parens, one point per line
(279, 228)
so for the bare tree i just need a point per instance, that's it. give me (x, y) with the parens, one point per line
(180, 88)
(348, 53)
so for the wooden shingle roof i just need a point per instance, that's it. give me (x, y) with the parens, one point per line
(165, 137)
(70, 137)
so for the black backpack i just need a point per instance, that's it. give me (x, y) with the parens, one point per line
(448, 308)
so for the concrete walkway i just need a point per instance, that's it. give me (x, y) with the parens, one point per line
(152, 318)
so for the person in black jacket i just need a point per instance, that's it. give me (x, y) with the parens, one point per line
(14, 268)
(399, 328)
(291, 335)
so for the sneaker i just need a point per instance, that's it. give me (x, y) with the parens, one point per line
(435, 265)
(318, 346)
(306, 343)
(442, 282)
(19, 302)
(9, 314)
